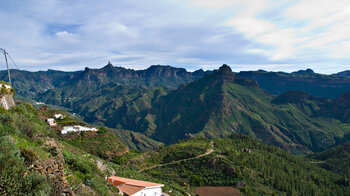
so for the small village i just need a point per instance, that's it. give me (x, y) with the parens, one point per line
(126, 186)
(69, 129)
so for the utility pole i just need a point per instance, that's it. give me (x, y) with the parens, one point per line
(7, 64)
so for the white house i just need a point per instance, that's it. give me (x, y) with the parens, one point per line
(4, 85)
(51, 122)
(76, 128)
(59, 116)
(130, 187)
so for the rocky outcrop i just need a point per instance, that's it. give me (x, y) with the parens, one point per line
(53, 170)
(225, 73)
(6, 101)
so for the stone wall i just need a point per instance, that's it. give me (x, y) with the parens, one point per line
(53, 170)
(6, 101)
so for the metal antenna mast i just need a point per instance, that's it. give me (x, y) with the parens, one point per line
(7, 64)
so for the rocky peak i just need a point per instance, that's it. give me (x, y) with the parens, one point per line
(165, 71)
(226, 73)
(109, 65)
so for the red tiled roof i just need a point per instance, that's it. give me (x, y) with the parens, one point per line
(119, 180)
(129, 189)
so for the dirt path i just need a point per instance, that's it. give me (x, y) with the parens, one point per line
(317, 162)
(208, 152)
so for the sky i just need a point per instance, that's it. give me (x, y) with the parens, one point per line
(273, 35)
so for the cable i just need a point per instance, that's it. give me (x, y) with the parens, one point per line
(12, 61)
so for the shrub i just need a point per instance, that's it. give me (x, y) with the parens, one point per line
(3, 90)
(102, 130)
(2, 110)
(14, 180)
(13, 91)
(28, 155)
(51, 150)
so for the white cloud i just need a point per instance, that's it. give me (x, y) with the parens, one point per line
(64, 34)
(73, 34)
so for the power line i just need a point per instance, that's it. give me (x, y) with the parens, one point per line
(12, 61)
(7, 64)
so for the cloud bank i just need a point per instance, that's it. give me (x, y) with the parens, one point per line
(248, 35)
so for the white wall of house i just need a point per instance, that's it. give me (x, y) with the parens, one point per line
(6, 86)
(151, 191)
(76, 128)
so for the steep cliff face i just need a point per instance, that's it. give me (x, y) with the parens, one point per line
(6, 101)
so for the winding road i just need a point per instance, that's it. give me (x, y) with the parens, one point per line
(208, 152)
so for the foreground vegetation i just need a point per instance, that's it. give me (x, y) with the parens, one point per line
(27, 141)
(30, 149)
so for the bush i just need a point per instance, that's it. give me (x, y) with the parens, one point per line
(77, 165)
(102, 130)
(51, 150)
(28, 155)
(14, 179)
(3, 110)
(13, 91)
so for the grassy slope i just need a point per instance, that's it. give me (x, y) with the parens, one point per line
(103, 144)
(28, 133)
(267, 170)
(136, 140)
(22, 138)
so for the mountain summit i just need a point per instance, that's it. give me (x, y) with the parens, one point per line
(226, 73)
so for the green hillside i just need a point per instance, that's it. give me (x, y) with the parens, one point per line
(136, 140)
(336, 159)
(239, 161)
(220, 104)
(36, 160)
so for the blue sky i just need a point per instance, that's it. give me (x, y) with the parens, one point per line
(247, 35)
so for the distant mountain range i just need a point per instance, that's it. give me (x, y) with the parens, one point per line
(30, 84)
(327, 86)
(168, 104)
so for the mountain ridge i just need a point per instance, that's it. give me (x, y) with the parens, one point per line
(30, 84)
